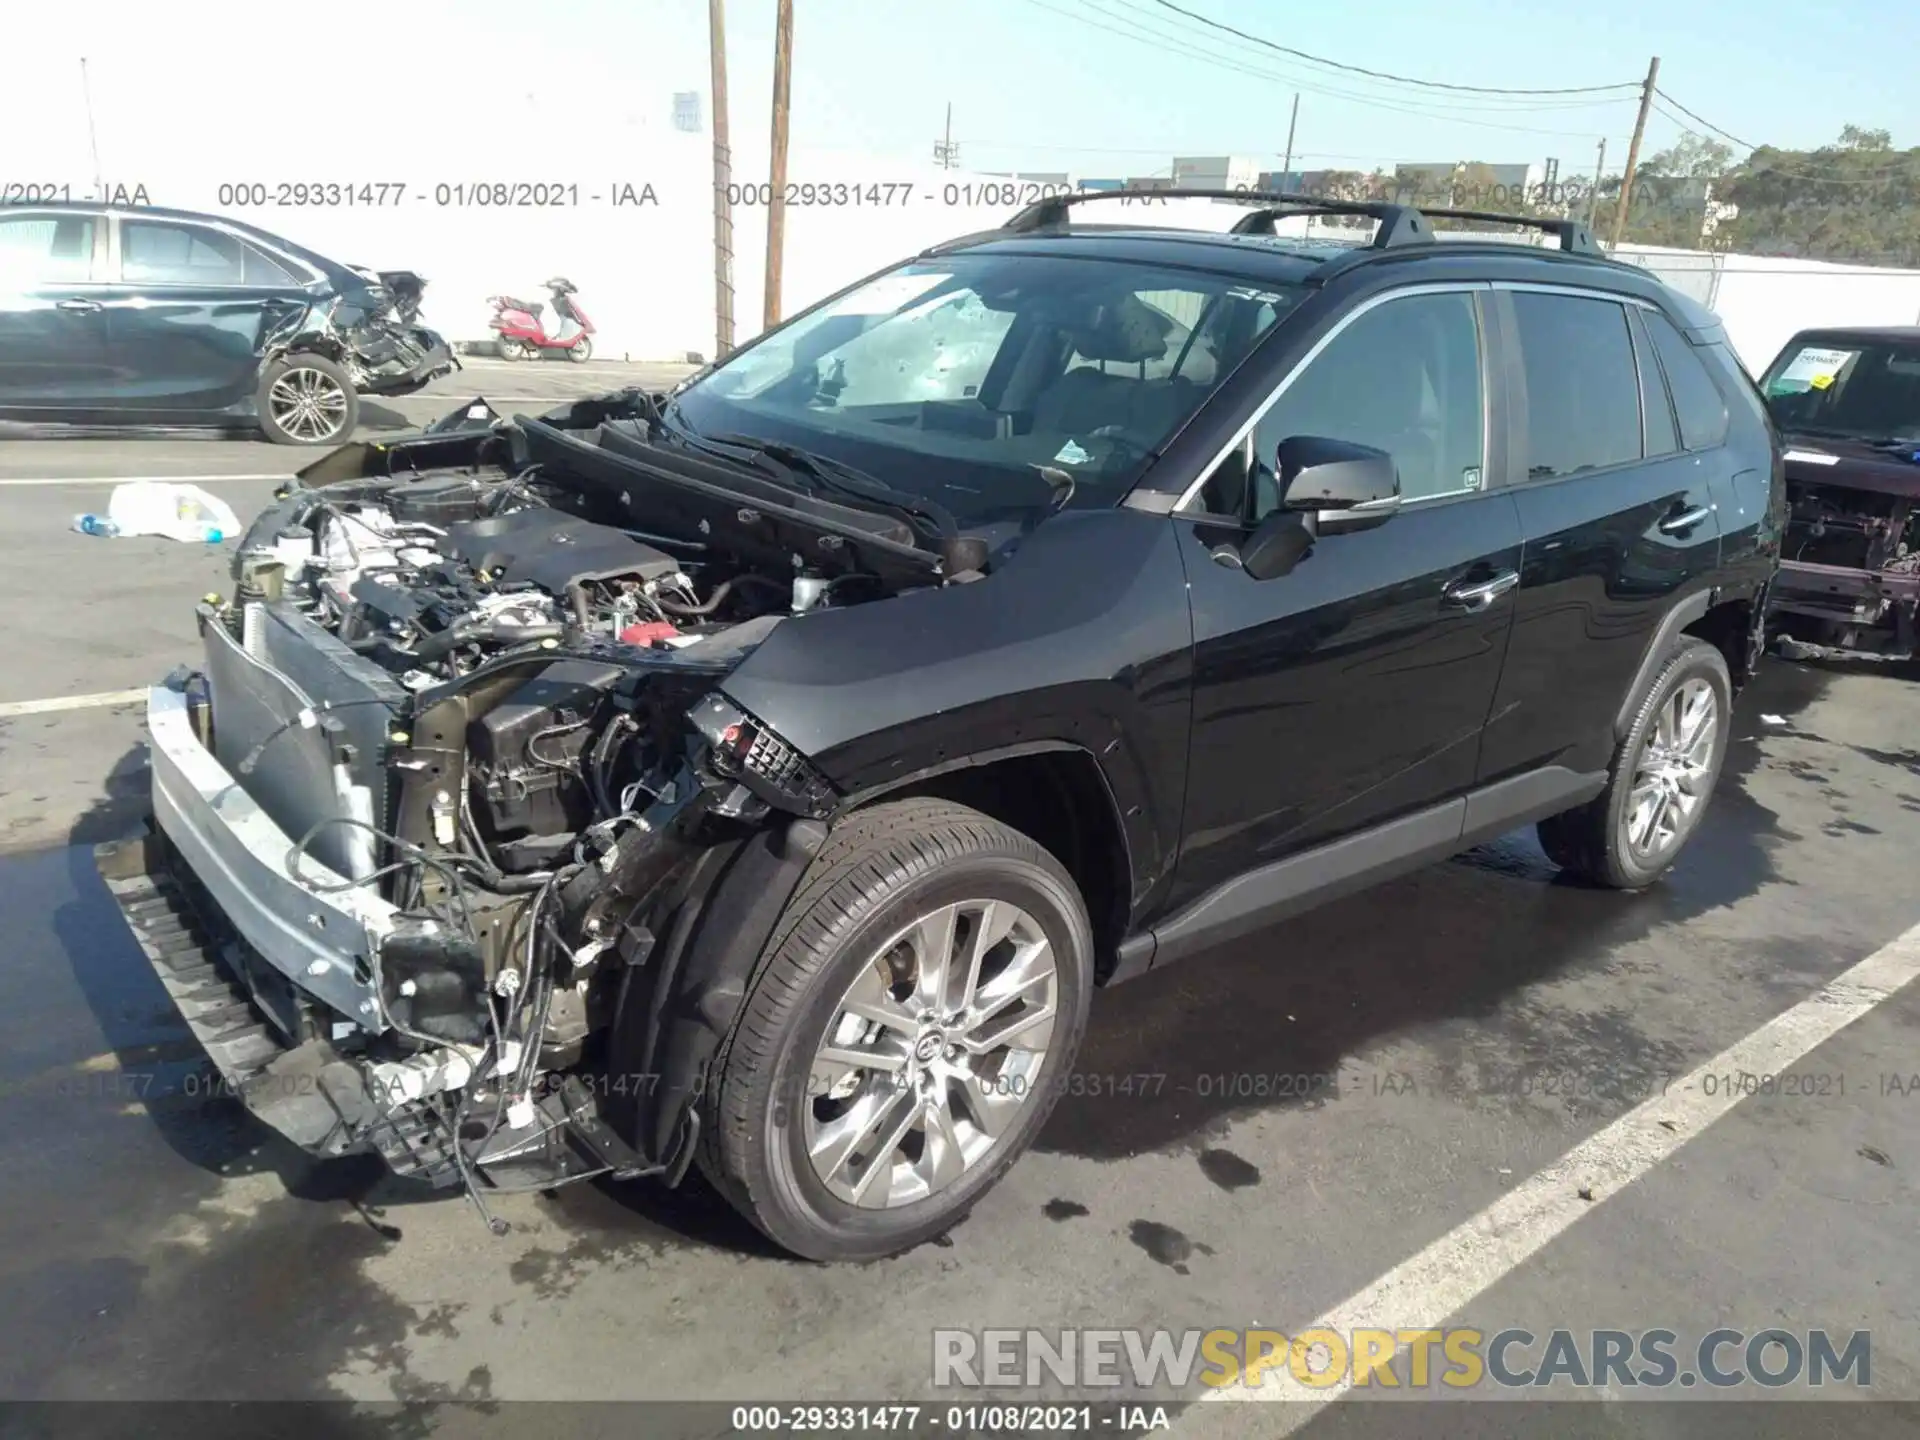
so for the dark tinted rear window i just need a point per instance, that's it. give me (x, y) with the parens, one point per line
(261, 268)
(1698, 401)
(1663, 436)
(1583, 391)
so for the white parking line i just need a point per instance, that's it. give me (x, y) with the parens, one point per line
(9, 709)
(130, 479)
(1422, 1291)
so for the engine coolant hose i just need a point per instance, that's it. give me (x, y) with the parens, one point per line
(446, 641)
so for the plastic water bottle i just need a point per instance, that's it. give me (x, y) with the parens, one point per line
(95, 525)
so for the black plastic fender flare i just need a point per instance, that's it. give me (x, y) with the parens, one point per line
(679, 1006)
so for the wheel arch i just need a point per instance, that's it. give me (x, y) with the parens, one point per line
(1055, 793)
(1733, 624)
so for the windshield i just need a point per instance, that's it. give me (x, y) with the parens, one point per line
(1862, 392)
(980, 381)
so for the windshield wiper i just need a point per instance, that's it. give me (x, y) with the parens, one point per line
(843, 479)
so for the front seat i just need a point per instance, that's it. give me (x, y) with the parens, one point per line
(1121, 331)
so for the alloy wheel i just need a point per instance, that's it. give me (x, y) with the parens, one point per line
(308, 404)
(932, 1053)
(1673, 772)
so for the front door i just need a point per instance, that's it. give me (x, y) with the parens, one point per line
(1354, 688)
(183, 323)
(53, 335)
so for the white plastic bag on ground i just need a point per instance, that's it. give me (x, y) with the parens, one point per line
(176, 511)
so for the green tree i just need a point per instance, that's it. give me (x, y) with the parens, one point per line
(1671, 189)
(1857, 199)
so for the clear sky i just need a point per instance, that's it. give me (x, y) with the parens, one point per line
(1098, 86)
(1086, 86)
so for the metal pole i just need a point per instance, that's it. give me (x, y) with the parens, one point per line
(93, 140)
(777, 194)
(1286, 166)
(1593, 195)
(1633, 151)
(722, 181)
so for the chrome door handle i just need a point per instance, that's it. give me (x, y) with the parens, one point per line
(1481, 593)
(1685, 520)
(79, 307)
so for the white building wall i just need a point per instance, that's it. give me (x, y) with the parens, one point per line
(1764, 300)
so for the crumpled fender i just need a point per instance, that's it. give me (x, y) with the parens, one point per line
(309, 330)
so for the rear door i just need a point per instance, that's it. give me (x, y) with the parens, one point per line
(1742, 478)
(1355, 688)
(187, 312)
(53, 336)
(1620, 524)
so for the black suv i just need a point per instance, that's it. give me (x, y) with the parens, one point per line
(124, 315)
(765, 775)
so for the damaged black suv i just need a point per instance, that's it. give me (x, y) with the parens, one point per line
(764, 776)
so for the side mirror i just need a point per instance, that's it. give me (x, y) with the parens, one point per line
(1328, 487)
(1278, 543)
(1344, 487)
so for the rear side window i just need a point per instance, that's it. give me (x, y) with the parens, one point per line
(1583, 392)
(1697, 400)
(153, 252)
(260, 268)
(1663, 436)
(46, 249)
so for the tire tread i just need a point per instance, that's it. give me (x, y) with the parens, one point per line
(860, 864)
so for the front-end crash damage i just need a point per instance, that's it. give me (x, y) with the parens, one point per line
(374, 334)
(1849, 581)
(461, 850)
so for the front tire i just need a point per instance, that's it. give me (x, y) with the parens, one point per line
(905, 1035)
(581, 351)
(1662, 777)
(306, 400)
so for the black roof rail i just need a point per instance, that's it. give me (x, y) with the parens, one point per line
(1399, 224)
(1574, 237)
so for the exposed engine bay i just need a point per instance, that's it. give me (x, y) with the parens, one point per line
(1851, 573)
(474, 678)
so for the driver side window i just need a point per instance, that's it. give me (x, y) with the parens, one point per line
(1404, 377)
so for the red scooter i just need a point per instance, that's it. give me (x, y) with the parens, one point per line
(523, 335)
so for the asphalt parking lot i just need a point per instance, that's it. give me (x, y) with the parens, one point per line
(1463, 1029)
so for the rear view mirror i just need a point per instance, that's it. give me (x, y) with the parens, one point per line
(1345, 487)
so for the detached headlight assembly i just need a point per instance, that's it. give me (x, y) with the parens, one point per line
(743, 749)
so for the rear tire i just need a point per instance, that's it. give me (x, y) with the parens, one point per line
(838, 1160)
(1662, 777)
(306, 399)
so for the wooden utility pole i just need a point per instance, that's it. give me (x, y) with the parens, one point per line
(1593, 195)
(1286, 166)
(722, 183)
(777, 195)
(1633, 151)
(945, 154)
(93, 137)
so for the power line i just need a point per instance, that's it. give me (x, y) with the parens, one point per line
(1743, 144)
(1387, 75)
(1006, 145)
(1878, 175)
(1499, 104)
(1162, 43)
